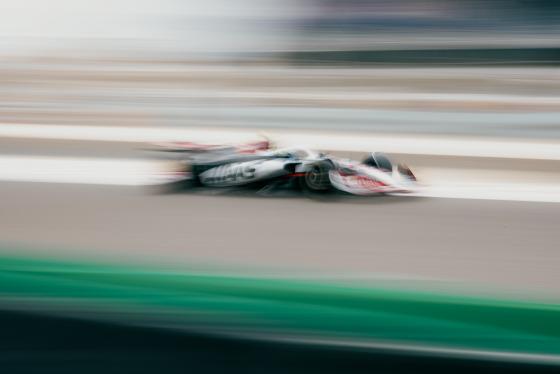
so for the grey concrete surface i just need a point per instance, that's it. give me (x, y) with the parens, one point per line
(159, 111)
(485, 242)
(502, 102)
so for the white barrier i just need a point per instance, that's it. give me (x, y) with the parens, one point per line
(334, 141)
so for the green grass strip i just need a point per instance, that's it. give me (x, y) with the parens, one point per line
(277, 307)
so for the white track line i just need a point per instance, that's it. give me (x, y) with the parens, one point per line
(343, 141)
(493, 191)
(141, 172)
(75, 170)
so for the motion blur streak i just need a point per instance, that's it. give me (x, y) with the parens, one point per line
(249, 306)
(110, 263)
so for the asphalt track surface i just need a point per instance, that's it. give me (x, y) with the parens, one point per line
(513, 244)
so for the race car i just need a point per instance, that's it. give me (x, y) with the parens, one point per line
(257, 165)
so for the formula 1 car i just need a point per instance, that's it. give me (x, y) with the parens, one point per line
(257, 165)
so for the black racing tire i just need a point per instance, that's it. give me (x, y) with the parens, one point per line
(316, 183)
(379, 160)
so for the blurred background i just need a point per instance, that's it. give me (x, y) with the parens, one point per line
(98, 275)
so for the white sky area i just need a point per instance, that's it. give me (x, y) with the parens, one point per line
(37, 26)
